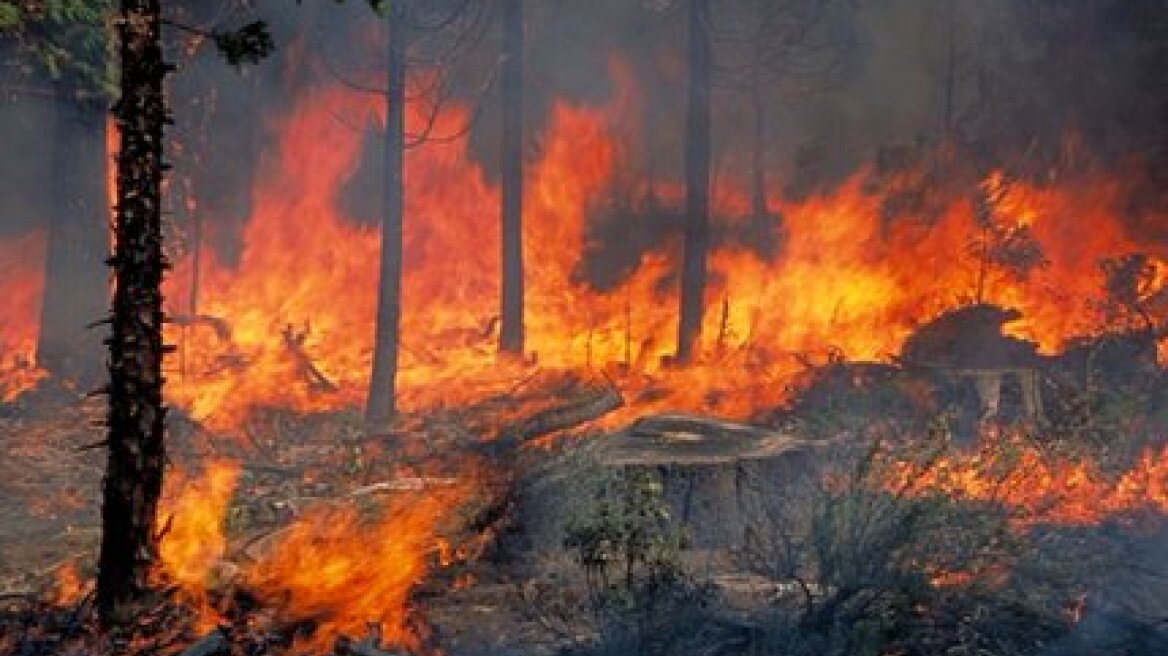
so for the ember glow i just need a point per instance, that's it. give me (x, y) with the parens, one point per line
(71, 587)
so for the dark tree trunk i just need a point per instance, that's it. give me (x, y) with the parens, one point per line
(511, 332)
(697, 183)
(381, 404)
(133, 478)
(76, 292)
(758, 197)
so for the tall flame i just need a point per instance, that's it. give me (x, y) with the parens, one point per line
(21, 261)
(298, 310)
(193, 542)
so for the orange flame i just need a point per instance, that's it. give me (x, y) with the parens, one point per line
(341, 569)
(193, 541)
(1037, 489)
(70, 587)
(298, 310)
(347, 572)
(21, 261)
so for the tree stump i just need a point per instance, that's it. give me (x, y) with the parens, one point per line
(718, 478)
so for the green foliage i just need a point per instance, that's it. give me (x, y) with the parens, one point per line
(65, 39)
(85, 12)
(629, 549)
(628, 529)
(9, 16)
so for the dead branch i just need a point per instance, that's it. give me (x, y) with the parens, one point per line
(314, 377)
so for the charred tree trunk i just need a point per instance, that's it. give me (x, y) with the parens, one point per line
(76, 293)
(697, 183)
(133, 478)
(381, 404)
(511, 331)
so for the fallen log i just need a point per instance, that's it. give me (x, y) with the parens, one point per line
(574, 412)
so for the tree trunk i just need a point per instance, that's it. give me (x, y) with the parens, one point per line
(381, 406)
(133, 478)
(76, 292)
(758, 197)
(511, 332)
(697, 183)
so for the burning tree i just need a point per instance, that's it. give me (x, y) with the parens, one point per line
(511, 328)
(67, 40)
(757, 45)
(133, 479)
(137, 415)
(408, 24)
(697, 182)
(1004, 241)
(380, 405)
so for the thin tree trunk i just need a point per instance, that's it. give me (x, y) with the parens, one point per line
(697, 183)
(511, 332)
(381, 404)
(76, 293)
(758, 197)
(950, 82)
(133, 478)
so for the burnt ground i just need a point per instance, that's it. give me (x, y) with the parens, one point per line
(49, 511)
(528, 594)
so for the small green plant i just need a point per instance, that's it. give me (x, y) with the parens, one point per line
(629, 548)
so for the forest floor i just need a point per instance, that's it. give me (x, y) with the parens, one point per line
(543, 602)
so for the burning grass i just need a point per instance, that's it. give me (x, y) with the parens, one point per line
(1038, 488)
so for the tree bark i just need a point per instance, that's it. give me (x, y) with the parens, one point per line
(133, 478)
(76, 291)
(511, 332)
(697, 183)
(381, 403)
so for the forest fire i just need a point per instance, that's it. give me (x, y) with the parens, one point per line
(290, 325)
(597, 328)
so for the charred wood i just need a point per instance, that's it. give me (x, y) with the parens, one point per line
(133, 479)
